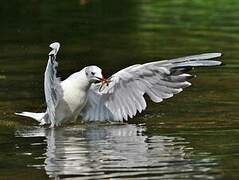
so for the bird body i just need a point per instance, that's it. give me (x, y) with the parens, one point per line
(117, 98)
(74, 95)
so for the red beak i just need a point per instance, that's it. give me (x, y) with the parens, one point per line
(102, 79)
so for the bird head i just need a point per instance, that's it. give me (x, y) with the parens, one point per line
(94, 74)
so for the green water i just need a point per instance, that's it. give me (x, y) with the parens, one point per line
(193, 135)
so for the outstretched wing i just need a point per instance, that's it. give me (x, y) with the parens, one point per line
(52, 86)
(124, 96)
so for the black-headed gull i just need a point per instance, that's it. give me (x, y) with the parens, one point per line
(117, 98)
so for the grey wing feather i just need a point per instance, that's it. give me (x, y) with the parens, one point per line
(124, 96)
(52, 86)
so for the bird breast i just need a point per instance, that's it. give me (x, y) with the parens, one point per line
(74, 96)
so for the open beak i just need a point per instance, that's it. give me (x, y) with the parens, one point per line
(102, 79)
(104, 82)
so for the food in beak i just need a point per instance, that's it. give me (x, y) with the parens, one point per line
(104, 83)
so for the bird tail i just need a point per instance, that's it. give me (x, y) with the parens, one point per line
(37, 116)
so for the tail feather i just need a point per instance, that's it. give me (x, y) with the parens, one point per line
(37, 116)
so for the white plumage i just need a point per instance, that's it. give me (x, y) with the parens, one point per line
(123, 96)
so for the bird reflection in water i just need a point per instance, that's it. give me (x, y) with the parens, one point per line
(116, 151)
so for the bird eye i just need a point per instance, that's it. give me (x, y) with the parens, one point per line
(92, 73)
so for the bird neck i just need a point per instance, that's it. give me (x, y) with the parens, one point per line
(80, 81)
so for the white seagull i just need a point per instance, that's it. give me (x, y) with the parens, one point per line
(117, 98)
